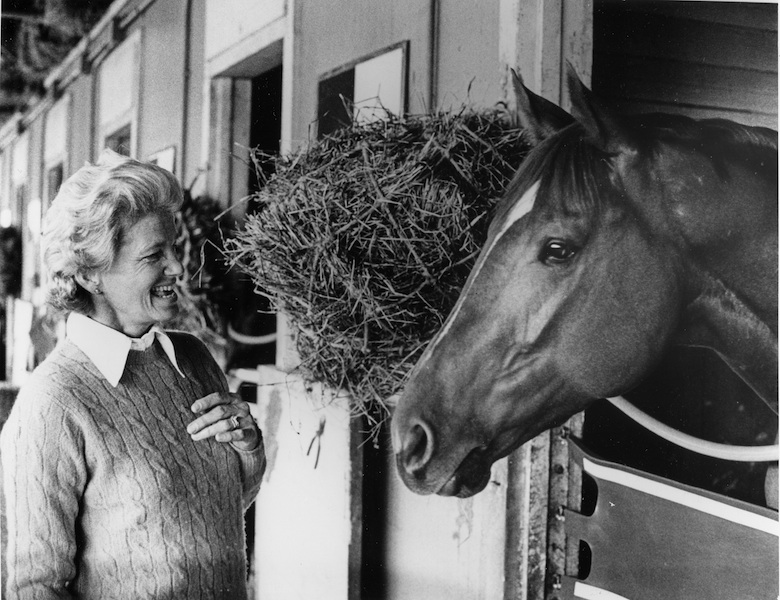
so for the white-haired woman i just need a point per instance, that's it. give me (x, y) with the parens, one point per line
(127, 463)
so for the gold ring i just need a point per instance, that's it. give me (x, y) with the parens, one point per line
(235, 422)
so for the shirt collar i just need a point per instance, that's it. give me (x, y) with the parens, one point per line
(108, 348)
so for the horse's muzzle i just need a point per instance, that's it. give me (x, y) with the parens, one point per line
(471, 476)
(423, 474)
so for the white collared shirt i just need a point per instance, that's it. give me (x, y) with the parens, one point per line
(108, 348)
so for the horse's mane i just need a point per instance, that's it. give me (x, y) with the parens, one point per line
(718, 132)
(725, 142)
(575, 176)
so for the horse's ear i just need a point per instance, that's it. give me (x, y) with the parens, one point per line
(603, 126)
(539, 117)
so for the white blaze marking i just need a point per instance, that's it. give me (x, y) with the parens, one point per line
(521, 208)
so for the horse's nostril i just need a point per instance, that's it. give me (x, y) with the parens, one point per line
(418, 447)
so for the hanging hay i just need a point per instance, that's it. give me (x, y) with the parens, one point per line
(365, 240)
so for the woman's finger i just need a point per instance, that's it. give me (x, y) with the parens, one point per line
(217, 410)
(214, 399)
(236, 431)
(223, 416)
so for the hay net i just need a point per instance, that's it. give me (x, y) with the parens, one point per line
(365, 239)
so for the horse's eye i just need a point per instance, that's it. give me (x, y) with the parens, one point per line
(557, 251)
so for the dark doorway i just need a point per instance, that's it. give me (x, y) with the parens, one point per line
(253, 322)
(266, 119)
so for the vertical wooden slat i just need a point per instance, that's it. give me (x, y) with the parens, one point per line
(558, 498)
(526, 520)
(574, 502)
(218, 175)
(237, 151)
(355, 552)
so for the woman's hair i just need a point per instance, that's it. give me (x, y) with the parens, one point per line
(83, 228)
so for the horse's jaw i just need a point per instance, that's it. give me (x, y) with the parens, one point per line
(466, 470)
(453, 455)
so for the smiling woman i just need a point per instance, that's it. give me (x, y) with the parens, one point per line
(128, 464)
(137, 290)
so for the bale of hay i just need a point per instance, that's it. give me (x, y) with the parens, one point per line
(365, 239)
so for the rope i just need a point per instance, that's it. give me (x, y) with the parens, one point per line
(689, 442)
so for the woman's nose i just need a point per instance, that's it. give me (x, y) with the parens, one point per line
(174, 266)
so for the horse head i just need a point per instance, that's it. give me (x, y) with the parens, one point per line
(584, 280)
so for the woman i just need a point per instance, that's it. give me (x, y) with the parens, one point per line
(127, 463)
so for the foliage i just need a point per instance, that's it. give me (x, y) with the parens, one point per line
(36, 37)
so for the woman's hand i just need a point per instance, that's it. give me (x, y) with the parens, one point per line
(226, 418)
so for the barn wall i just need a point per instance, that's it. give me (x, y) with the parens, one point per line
(242, 40)
(231, 22)
(80, 125)
(303, 516)
(701, 59)
(468, 66)
(445, 548)
(162, 81)
(193, 107)
(330, 35)
(431, 547)
(464, 44)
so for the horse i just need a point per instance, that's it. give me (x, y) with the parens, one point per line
(619, 237)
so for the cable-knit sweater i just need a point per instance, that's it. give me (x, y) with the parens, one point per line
(108, 497)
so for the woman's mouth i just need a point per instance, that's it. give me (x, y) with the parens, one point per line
(166, 292)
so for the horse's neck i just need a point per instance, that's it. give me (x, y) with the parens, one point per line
(731, 237)
(717, 318)
(725, 220)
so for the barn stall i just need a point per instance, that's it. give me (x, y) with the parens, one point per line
(333, 520)
(533, 485)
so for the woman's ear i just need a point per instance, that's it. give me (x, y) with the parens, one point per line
(89, 281)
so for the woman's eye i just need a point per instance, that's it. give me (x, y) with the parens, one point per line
(557, 252)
